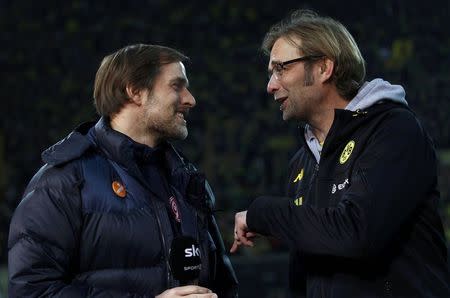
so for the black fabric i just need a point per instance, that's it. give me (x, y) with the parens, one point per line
(151, 162)
(364, 225)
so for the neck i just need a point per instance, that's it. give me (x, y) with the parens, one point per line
(321, 127)
(124, 122)
(321, 122)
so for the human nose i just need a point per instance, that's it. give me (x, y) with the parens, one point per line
(188, 99)
(273, 85)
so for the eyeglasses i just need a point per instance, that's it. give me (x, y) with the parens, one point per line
(279, 67)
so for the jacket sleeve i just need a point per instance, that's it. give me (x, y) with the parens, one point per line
(44, 234)
(391, 178)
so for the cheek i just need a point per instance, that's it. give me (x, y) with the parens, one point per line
(163, 108)
(291, 86)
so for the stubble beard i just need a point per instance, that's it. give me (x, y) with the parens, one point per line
(309, 78)
(164, 129)
(299, 110)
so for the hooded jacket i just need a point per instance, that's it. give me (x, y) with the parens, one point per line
(361, 220)
(75, 234)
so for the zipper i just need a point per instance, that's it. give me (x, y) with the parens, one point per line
(163, 241)
(316, 183)
(169, 278)
(158, 220)
(388, 288)
(316, 165)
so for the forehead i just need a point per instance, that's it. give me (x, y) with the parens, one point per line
(283, 50)
(171, 71)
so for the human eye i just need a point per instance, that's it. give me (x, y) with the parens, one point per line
(278, 69)
(177, 86)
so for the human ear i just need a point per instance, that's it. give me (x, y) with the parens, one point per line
(134, 94)
(326, 69)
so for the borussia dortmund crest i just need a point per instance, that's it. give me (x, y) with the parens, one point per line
(347, 152)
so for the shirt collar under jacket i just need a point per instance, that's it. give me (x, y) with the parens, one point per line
(313, 143)
(369, 94)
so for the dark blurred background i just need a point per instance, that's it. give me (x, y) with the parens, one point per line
(51, 51)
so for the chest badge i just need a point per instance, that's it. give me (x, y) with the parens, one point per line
(119, 189)
(347, 152)
(299, 176)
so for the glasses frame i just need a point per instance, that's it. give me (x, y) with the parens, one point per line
(279, 67)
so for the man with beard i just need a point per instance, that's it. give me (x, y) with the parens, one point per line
(361, 214)
(99, 217)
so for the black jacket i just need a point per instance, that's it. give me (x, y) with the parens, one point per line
(73, 236)
(363, 223)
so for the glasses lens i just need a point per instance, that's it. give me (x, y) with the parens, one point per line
(278, 71)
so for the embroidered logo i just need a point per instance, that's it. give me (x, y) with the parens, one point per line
(340, 186)
(299, 176)
(298, 202)
(347, 152)
(119, 189)
(174, 207)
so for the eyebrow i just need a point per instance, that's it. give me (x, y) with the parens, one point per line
(273, 62)
(180, 80)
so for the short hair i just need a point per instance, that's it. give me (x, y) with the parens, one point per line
(136, 65)
(323, 36)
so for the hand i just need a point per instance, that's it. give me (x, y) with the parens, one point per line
(187, 291)
(242, 236)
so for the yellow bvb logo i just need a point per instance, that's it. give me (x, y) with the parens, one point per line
(299, 176)
(347, 152)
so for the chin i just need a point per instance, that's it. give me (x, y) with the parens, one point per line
(180, 134)
(286, 117)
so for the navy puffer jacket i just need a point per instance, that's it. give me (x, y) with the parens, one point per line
(73, 236)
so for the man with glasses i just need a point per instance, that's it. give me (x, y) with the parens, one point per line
(360, 215)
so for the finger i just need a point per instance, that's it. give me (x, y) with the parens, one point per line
(187, 290)
(234, 247)
(250, 235)
(210, 295)
(239, 233)
(246, 242)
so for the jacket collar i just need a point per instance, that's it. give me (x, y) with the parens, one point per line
(114, 145)
(120, 148)
(345, 123)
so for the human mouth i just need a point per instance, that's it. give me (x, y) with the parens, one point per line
(281, 101)
(182, 115)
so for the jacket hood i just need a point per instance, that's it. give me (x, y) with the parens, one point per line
(69, 148)
(375, 91)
